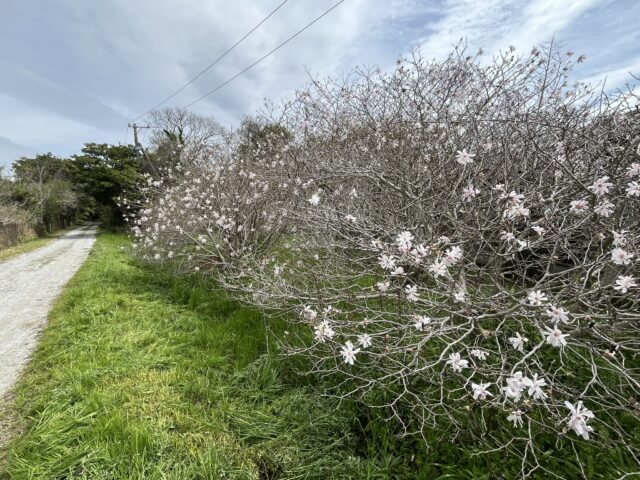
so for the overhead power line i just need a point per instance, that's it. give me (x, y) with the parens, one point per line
(208, 67)
(263, 57)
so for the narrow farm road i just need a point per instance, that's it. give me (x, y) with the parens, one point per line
(29, 284)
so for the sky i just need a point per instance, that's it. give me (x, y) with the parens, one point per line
(77, 71)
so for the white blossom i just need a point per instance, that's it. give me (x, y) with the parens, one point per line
(633, 189)
(479, 354)
(515, 386)
(507, 236)
(464, 158)
(398, 271)
(624, 283)
(457, 362)
(516, 418)
(460, 295)
(309, 313)
(554, 337)
(619, 238)
(452, 255)
(480, 391)
(438, 268)
(421, 321)
(537, 298)
(604, 208)
(404, 241)
(364, 340)
(578, 418)
(315, 199)
(411, 292)
(349, 353)
(383, 286)
(535, 385)
(579, 206)
(469, 193)
(323, 331)
(601, 186)
(620, 256)
(518, 342)
(557, 314)
(634, 170)
(538, 229)
(387, 262)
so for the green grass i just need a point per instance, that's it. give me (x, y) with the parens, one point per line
(29, 245)
(139, 375)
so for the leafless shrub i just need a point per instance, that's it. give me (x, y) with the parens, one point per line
(455, 239)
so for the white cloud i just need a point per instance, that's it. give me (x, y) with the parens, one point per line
(82, 69)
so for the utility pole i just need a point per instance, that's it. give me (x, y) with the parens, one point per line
(139, 149)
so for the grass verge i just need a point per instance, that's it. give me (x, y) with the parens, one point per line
(31, 244)
(139, 375)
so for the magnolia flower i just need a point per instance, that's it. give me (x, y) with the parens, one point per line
(387, 262)
(537, 298)
(633, 189)
(349, 353)
(350, 218)
(315, 199)
(438, 269)
(516, 211)
(535, 385)
(619, 239)
(460, 295)
(601, 186)
(499, 187)
(412, 293)
(464, 158)
(456, 362)
(398, 271)
(469, 193)
(579, 206)
(364, 340)
(555, 337)
(323, 331)
(578, 418)
(557, 314)
(515, 386)
(634, 170)
(507, 236)
(452, 255)
(480, 391)
(518, 342)
(624, 283)
(538, 229)
(513, 197)
(309, 313)
(421, 251)
(479, 354)
(516, 418)
(620, 256)
(404, 239)
(604, 209)
(421, 322)
(383, 286)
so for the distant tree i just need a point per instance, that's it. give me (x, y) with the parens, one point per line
(181, 136)
(101, 174)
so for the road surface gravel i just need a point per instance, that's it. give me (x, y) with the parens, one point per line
(29, 284)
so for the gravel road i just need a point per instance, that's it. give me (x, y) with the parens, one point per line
(29, 284)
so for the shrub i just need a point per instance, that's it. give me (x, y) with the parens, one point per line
(456, 242)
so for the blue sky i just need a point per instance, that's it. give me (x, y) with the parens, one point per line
(74, 71)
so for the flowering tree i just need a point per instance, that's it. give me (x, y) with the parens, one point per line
(457, 242)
